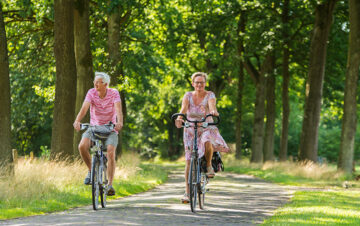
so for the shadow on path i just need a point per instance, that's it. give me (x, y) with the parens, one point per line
(232, 200)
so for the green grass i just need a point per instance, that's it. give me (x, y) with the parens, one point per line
(319, 208)
(77, 194)
(333, 205)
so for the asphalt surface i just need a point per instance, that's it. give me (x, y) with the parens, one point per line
(232, 200)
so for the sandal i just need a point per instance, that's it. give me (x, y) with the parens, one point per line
(185, 199)
(210, 172)
(111, 191)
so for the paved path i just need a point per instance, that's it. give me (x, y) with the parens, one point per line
(232, 200)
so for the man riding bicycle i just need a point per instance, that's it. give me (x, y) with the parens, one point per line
(105, 106)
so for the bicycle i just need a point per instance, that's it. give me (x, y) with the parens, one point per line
(197, 179)
(98, 150)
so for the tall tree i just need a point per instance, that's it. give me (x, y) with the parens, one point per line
(115, 21)
(349, 123)
(83, 58)
(257, 142)
(65, 89)
(5, 127)
(270, 115)
(314, 84)
(241, 32)
(285, 83)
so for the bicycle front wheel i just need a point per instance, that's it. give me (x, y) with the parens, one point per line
(202, 191)
(193, 184)
(95, 182)
(103, 187)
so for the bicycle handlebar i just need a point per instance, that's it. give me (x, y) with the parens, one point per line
(196, 122)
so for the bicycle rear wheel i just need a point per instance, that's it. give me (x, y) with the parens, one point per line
(192, 184)
(95, 182)
(103, 187)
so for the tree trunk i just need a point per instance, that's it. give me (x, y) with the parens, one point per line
(285, 84)
(114, 22)
(349, 123)
(85, 74)
(5, 119)
(258, 129)
(257, 141)
(314, 83)
(270, 115)
(65, 91)
(241, 29)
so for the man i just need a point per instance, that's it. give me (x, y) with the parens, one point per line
(105, 106)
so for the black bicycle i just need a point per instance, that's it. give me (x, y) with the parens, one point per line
(99, 179)
(197, 179)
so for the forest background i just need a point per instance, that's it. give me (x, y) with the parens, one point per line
(281, 72)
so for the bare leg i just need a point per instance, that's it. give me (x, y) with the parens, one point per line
(187, 169)
(111, 162)
(84, 147)
(208, 153)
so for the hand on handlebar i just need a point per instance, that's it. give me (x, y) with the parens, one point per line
(179, 122)
(215, 113)
(118, 126)
(77, 125)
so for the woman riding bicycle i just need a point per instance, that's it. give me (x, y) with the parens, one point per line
(196, 105)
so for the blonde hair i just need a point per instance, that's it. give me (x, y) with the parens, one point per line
(197, 74)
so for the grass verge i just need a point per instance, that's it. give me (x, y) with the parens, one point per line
(329, 204)
(319, 208)
(42, 186)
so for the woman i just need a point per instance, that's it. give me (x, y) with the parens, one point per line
(196, 105)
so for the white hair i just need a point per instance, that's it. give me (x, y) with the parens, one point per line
(105, 77)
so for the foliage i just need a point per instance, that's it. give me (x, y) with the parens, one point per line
(162, 44)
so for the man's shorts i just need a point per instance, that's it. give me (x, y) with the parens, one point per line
(111, 140)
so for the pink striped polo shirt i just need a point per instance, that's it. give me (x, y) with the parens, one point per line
(102, 110)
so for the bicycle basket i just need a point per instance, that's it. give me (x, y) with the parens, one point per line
(101, 132)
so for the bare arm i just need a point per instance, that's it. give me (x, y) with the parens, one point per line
(184, 108)
(119, 116)
(81, 115)
(212, 107)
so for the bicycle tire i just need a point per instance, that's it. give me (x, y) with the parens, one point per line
(202, 191)
(95, 191)
(193, 184)
(103, 188)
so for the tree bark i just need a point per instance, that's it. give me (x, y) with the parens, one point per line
(349, 123)
(5, 102)
(270, 114)
(314, 83)
(257, 141)
(65, 90)
(114, 31)
(285, 84)
(241, 29)
(84, 68)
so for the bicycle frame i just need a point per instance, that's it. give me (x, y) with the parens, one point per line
(97, 151)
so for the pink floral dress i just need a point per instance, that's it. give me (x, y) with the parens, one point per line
(211, 133)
